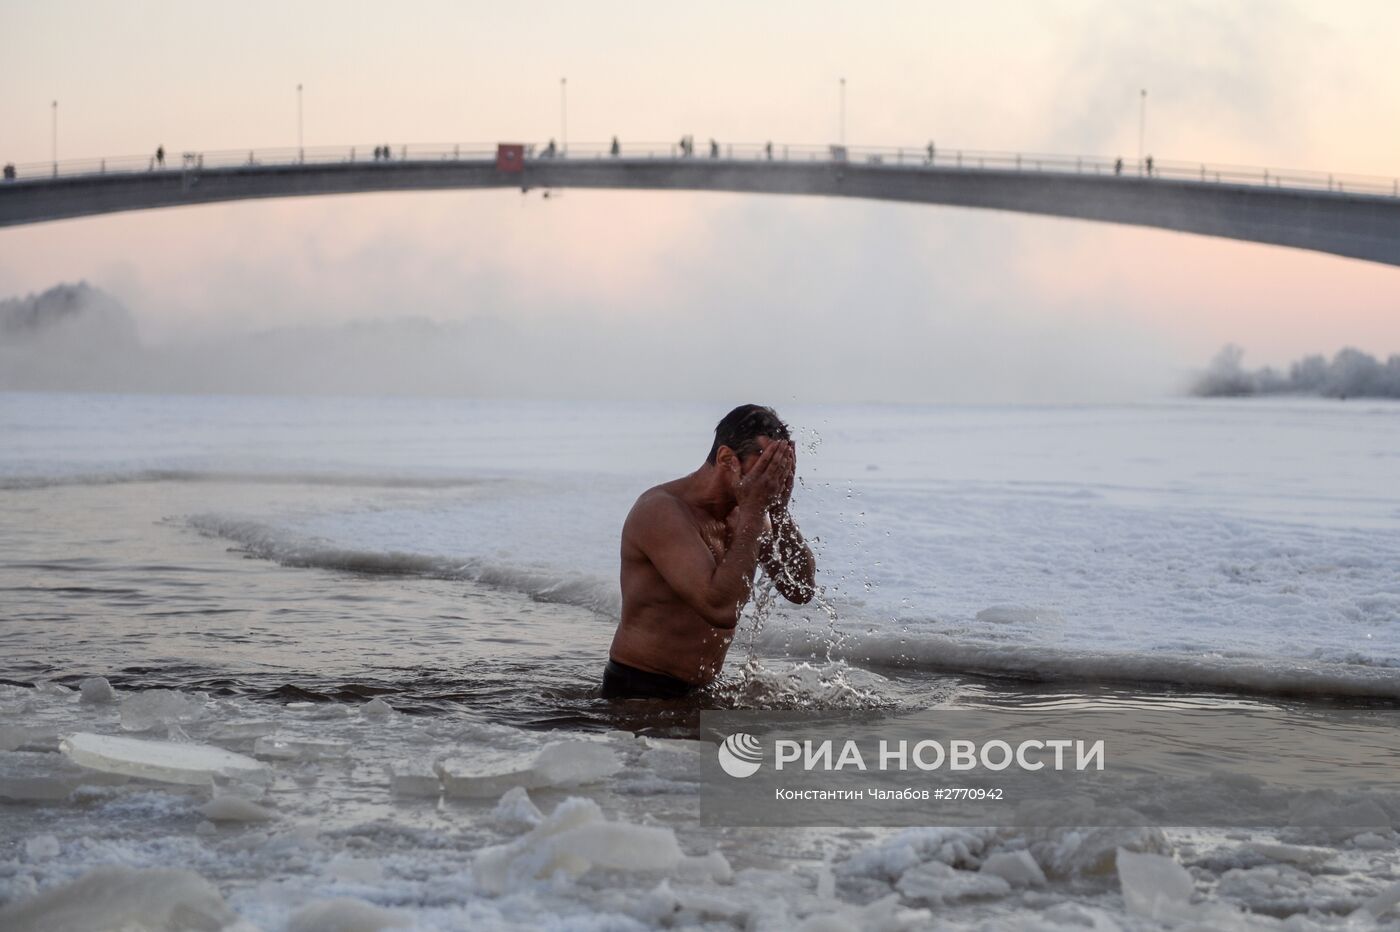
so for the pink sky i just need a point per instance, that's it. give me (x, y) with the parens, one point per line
(1309, 85)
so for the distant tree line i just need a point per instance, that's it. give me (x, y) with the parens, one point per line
(1350, 374)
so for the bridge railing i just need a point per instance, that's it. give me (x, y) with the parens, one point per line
(910, 158)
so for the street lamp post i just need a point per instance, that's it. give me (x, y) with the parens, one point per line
(55, 139)
(564, 116)
(301, 144)
(1142, 128)
(843, 111)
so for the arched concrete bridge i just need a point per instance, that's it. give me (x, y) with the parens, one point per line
(1345, 216)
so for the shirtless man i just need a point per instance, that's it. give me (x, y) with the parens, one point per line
(690, 550)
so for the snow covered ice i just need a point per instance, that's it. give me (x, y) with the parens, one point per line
(606, 835)
(123, 898)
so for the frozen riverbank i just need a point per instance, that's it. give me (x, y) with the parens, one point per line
(356, 811)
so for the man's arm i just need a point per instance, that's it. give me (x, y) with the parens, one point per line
(786, 558)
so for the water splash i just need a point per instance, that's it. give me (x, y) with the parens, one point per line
(800, 686)
(824, 681)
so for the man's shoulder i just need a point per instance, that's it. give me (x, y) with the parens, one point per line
(659, 499)
(658, 505)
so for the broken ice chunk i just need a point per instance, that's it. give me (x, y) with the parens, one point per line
(28, 738)
(36, 777)
(350, 869)
(145, 710)
(97, 691)
(414, 777)
(1017, 868)
(486, 773)
(1084, 852)
(1154, 885)
(570, 763)
(673, 760)
(289, 747)
(242, 731)
(572, 839)
(516, 811)
(713, 866)
(890, 858)
(561, 764)
(1372, 841)
(1306, 857)
(165, 761)
(123, 898)
(344, 913)
(49, 688)
(377, 710)
(40, 848)
(1381, 903)
(233, 808)
(625, 739)
(936, 883)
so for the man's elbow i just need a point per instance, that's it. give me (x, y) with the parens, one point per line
(800, 594)
(723, 618)
(799, 587)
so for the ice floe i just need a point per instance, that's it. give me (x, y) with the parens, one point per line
(164, 761)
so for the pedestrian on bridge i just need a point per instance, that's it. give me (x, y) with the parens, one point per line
(160, 155)
(1118, 166)
(930, 152)
(714, 149)
(768, 150)
(1149, 166)
(616, 149)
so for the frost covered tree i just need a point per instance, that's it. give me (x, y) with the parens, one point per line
(1225, 376)
(1350, 374)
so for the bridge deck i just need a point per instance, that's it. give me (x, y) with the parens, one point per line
(1344, 223)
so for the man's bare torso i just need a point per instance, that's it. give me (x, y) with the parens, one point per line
(659, 631)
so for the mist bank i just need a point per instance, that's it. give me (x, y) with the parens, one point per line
(1350, 374)
(78, 338)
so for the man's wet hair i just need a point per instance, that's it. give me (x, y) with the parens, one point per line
(740, 429)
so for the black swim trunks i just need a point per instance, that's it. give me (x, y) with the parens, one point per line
(623, 682)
